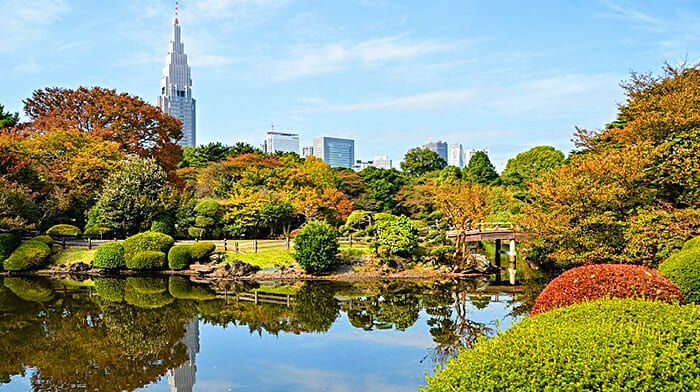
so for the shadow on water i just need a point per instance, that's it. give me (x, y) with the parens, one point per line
(123, 334)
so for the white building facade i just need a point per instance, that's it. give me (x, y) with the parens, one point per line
(456, 155)
(381, 162)
(281, 142)
(176, 89)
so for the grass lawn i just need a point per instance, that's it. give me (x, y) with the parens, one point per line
(72, 254)
(265, 257)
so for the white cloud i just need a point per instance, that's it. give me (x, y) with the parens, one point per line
(629, 13)
(337, 56)
(227, 9)
(424, 101)
(26, 68)
(24, 22)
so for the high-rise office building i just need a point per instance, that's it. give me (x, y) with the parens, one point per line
(182, 379)
(439, 147)
(306, 151)
(334, 151)
(176, 88)
(381, 162)
(456, 157)
(281, 142)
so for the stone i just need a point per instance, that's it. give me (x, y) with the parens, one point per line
(479, 263)
(79, 267)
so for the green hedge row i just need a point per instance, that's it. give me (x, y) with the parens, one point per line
(109, 256)
(146, 260)
(147, 241)
(181, 256)
(605, 345)
(683, 269)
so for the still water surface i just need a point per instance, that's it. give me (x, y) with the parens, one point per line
(159, 334)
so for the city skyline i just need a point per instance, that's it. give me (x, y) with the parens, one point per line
(384, 73)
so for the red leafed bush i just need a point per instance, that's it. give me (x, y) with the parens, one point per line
(592, 282)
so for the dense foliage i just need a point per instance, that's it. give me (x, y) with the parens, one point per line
(146, 260)
(619, 344)
(109, 256)
(179, 257)
(316, 246)
(201, 250)
(529, 165)
(604, 203)
(29, 255)
(683, 269)
(8, 243)
(419, 161)
(147, 241)
(480, 170)
(64, 230)
(397, 236)
(592, 282)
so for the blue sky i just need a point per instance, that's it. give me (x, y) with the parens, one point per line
(392, 74)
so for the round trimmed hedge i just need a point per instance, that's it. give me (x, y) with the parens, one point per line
(33, 290)
(179, 257)
(109, 256)
(110, 289)
(596, 281)
(45, 239)
(316, 246)
(604, 345)
(683, 269)
(8, 243)
(201, 250)
(147, 241)
(64, 230)
(146, 260)
(182, 288)
(693, 243)
(30, 254)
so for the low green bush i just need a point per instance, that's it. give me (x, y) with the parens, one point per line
(30, 254)
(110, 256)
(63, 230)
(98, 231)
(110, 289)
(147, 241)
(201, 250)
(146, 260)
(163, 224)
(8, 243)
(179, 257)
(30, 289)
(196, 232)
(316, 246)
(683, 269)
(182, 288)
(605, 345)
(45, 239)
(399, 236)
(693, 243)
(208, 207)
(442, 253)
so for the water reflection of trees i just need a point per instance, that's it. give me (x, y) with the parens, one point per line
(126, 333)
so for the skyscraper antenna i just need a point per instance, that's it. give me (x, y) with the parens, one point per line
(176, 11)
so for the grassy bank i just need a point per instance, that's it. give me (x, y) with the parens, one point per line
(265, 257)
(72, 255)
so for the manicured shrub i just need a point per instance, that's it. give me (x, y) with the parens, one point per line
(163, 224)
(45, 239)
(30, 254)
(693, 243)
(30, 289)
(110, 289)
(208, 207)
(605, 345)
(98, 231)
(179, 257)
(398, 236)
(196, 232)
(63, 230)
(109, 255)
(149, 293)
(147, 241)
(201, 250)
(146, 260)
(316, 246)
(591, 282)
(683, 269)
(8, 243)
(182, 288)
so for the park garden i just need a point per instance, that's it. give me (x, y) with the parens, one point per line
(614, 223)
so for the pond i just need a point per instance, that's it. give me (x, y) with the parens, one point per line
(170, 334)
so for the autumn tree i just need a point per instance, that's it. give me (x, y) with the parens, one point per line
(134, 125)
(419, 161)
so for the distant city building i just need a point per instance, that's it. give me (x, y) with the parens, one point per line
(439, 147)
(281, 142)
(334, 151)
(182, 379)
(456, 157)
(306, 151)
(176, 88)
(381, 162)
(469, 153)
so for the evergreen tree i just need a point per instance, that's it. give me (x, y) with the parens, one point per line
(480, 170)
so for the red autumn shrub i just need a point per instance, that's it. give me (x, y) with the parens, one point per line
(596, 281)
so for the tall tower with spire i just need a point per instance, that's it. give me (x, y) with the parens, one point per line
(176, 87)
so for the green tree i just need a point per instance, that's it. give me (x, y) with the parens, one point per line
(7, 119)
(316, 246)
(199, 157)
(383, 185)
(480, 170)
(131, 196)
(419, 161)
(530, 164)
(397, 237)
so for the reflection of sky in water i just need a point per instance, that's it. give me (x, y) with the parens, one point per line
(343, 359)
